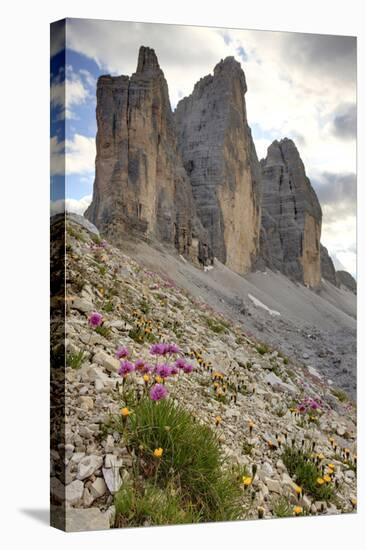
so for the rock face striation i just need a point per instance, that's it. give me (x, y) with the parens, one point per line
(291, 216)
(327, 267)
(220, 158)
(140, 184)
(345, 279)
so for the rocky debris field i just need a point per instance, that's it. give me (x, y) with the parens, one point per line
(274, 420)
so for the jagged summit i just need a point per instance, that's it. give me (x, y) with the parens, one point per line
(147, 60)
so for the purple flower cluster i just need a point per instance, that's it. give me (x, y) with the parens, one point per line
(181, 364)
(122, 352)
(308, 405)
(158, 392)
(163, 370)
(164, 349)
(95, 319)
(125, 368)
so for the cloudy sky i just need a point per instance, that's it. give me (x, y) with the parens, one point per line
(300, 86)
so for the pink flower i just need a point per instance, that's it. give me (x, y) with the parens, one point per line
(174, 370)
(163, 371)
(158, 392)
(173, 348)
(188, 368)
(122, 352)
(139, 365)
(158, 349)
(95, 319)
(125, 368)
(180, 363)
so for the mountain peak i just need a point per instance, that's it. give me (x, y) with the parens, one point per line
(147, 60)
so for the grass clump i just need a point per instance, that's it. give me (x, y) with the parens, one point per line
(191, 461)
(282, 508)
(340, 394)
(151, 505)
(75, 360)
(108, 306)
(103, 331)
(306, 472)
(216, 326)
(262, 349)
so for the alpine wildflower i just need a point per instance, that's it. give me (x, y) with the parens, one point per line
(158, 453)
(122, 352)
(158, 392)
(95, 319)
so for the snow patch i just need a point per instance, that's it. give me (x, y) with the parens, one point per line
(260, 304)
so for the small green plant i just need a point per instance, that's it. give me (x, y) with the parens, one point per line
(102, 269)
(340, 394)
(300, 465)
(103, 331)
(96, 239)
(282, 508)
(247, 448)
(262, 349)
(144, 306)
(281, 410)
(152, 505)
(75, 360)
(215, 326)
(108, 306)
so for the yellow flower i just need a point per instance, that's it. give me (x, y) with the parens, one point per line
(124, 411)
(218, 420)
(298, 490)
(331, 466)
(146, 378)
(297, 510)
(320, 481)
(158, 379)
(247, 481)
(354, 502)
(327, 478)
(321, 456)
(158, 453)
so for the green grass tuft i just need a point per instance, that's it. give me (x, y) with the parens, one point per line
(300, 466)
(75, 360)
(192, 461)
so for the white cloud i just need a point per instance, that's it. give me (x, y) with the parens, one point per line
(67, 93)
(77, 206)
(80, 155)
(73, 156)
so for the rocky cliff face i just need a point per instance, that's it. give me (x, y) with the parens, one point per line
(291, 215)
(220, 159)
(327, 267)
(345, 279)
(140, 182)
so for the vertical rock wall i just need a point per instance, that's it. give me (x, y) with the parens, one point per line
(140, 182)
(220, 159)
(291, 215)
